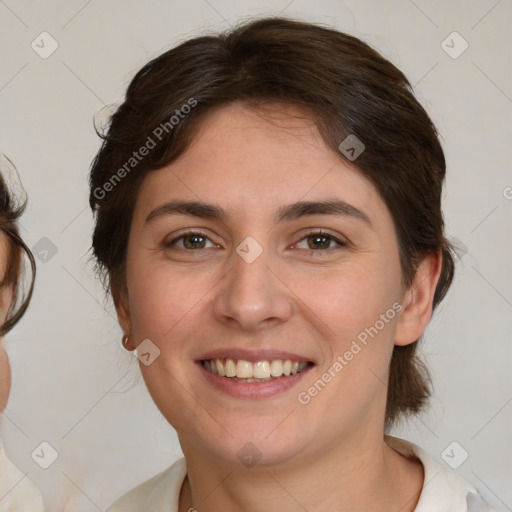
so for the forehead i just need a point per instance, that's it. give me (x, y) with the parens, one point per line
(274, 135)
(254, 159)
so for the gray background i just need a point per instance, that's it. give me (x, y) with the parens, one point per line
(73, 384)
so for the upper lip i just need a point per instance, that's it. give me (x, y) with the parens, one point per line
(252, 355)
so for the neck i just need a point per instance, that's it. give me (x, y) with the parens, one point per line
(352, 477)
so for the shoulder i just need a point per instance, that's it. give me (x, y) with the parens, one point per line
(443, 490)
(159, 493)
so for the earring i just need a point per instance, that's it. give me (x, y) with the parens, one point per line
(124, 342)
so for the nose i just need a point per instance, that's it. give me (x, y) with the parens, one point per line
(251, 296)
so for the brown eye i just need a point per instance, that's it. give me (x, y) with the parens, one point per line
(320, 242)
(194, 241)
(190, 241)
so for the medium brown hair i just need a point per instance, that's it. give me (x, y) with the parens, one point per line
(11, 208)
(342, 84)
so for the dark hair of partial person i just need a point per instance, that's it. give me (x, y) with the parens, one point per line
(11, 208)
(341, 84)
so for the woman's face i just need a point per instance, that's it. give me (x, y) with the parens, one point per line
(275, 276)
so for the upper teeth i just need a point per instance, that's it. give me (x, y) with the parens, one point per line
(259, 370)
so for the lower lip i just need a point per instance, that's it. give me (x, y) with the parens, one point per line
(241, 389)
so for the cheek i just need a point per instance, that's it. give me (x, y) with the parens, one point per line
(359, 307)
(350, 298)
(164, 302)
(166, 307)
(355, 303)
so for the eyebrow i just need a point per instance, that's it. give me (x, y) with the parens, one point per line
(289, 212)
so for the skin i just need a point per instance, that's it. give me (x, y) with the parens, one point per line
(292, 297)
(5, 368)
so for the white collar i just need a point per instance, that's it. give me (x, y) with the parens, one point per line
(443, 490)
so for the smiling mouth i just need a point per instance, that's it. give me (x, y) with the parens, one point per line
(259, 371)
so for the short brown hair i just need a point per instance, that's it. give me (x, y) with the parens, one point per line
(345, 86)
(11, 208)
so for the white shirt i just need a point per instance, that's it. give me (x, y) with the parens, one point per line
(17, 492)
(443, 491)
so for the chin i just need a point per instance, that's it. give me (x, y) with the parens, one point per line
(250, 443)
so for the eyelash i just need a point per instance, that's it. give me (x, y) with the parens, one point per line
(318, 232)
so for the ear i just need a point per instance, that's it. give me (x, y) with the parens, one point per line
(121, 304)
(418, 300)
